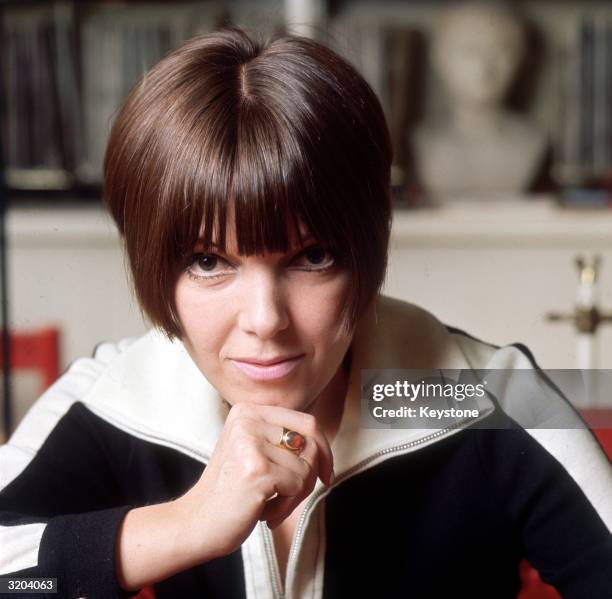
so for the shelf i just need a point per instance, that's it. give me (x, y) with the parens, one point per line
(529, 223)
(537, 223)
(60, 226)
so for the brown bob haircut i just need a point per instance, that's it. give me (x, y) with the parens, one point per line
(285, 131)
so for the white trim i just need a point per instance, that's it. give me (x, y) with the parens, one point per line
(20, 546)
(588, 466)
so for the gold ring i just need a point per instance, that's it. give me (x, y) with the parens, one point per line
(292, 440)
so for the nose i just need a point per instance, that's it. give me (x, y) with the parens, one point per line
(264, 310)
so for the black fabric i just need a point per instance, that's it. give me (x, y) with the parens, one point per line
(456, 518)
(80, 550)
(86, 465)
(449, 520)
(431, 528)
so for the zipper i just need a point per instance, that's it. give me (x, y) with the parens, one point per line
(299, 529)
(277, 587)
(279, 592)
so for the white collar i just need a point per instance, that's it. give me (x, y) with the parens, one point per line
(154, 391)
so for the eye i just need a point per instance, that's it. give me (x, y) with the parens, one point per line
(315, 258)
(207, 266)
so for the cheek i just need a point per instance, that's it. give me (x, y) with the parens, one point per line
(317, 312)
(205, 323)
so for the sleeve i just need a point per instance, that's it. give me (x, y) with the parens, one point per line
(61, 502)
(563, 518)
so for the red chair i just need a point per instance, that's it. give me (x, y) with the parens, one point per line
(36, 350)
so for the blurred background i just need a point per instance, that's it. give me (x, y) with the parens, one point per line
(501, 120)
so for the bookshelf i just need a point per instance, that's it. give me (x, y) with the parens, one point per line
(67, 64)
(66, 67)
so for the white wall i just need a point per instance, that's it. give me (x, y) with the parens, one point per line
(496, 271)
(66, 267)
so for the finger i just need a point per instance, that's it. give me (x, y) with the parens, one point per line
(310, 450)
(284, 481)
(269, 435)
(272, 433)
(278, 509)
(281, 455)
(299, 464)
(303, 423)
(256, 433)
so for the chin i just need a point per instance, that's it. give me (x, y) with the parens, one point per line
(283, 399)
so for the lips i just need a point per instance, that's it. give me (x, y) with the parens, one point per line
(267, 370)
(267, 362)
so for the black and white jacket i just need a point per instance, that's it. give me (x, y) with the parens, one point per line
(412, 513)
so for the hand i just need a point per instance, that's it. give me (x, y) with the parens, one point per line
(250, 478)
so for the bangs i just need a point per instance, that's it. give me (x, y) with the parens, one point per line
(253, 170)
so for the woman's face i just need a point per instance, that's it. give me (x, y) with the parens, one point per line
(265, 329)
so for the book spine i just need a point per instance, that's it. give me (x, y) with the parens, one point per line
(586, 94)
(600, 108)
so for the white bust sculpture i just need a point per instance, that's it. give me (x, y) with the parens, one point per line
(485, 149)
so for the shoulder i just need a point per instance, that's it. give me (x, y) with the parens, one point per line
(408, 336)
(526, 399)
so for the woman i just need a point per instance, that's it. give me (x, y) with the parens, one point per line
(221, 455)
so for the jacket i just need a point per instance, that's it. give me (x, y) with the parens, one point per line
(411, 513)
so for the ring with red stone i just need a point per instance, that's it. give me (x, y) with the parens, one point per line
(292, 440)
